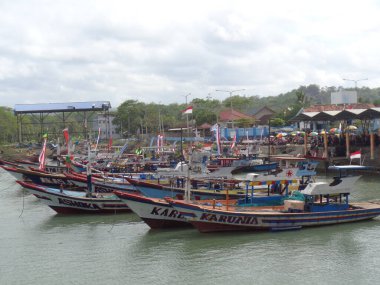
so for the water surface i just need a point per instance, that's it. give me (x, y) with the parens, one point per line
(38, 246)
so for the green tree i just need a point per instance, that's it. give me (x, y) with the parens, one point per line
(244, 123)
(8, 125)
(206, 111)
(277, 122)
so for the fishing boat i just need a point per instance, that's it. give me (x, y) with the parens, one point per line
(297, 170)
(39, 177)
(289, 167)
(72, 182)
(72, 202)
(155, 212)
(201, 189)
(197, 171)
(242, 164)
(159, 213)
(320, 203)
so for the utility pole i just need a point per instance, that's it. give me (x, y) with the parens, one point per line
(230, 92)
(356, 83)
(187, 116)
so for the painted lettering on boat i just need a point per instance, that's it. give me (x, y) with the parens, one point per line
(242, 220)
(78, 204)
(171, 213)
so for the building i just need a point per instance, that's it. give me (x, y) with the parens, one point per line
(104, 123)
(228, 118)
(344, 97)
(52, 118)
(317, 117)
(262, 115)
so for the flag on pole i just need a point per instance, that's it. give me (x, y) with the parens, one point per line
(159, 143)
(97, 140)
(110, 143)
(215, 128)
(188, 110)
(123, 149)
(42, 158)
(218, 141)
(356, 154)
(66, 135)
(233, 141)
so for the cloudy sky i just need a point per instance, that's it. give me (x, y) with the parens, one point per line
(161, 51)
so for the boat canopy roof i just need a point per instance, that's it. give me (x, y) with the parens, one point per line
(349, 167)
(289, 158)
(338, 186)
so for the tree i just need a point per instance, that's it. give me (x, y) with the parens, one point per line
(244, 122)
(131, 114)
(8, 125)
(206, 111)
(277, 122)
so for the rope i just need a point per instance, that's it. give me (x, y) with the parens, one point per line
(23, 202)
(113, 222)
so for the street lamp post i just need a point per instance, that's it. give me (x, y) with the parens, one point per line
(230, 91)
(355, 81)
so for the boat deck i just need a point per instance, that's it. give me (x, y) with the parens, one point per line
(366, 205)
(278, 209)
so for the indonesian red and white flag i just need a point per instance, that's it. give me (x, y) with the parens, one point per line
(217, 135)
(42, 158)
(233, 141)
(356, 154)
(160, 143)
(188, 110)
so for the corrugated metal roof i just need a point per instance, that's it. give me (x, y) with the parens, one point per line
(348, 114)
(62, 107)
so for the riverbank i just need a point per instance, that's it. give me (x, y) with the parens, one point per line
(12, 152)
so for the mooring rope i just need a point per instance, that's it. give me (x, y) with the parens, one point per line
(23, 202)
(113, 222)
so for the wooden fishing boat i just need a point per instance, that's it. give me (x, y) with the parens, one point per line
(322, 203)
(200, 189)
(159, 213)
(66, 181)
(242, 165)
(155, 212)
(39, 177)
(73, 202)
(288, 168)
(212, 188)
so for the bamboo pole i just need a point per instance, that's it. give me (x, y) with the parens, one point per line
(227, 198)
(347, 145)
(325, 150)
(305, 143)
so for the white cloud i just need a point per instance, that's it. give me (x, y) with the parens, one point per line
(159, 51)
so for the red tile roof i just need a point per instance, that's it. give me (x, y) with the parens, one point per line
(204, 126)
(233, 115)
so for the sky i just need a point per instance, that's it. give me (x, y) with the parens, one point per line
(174, 51)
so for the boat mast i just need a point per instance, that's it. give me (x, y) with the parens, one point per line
(88, 172)
(187, 191)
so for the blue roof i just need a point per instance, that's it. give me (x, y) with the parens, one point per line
(62, 107)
